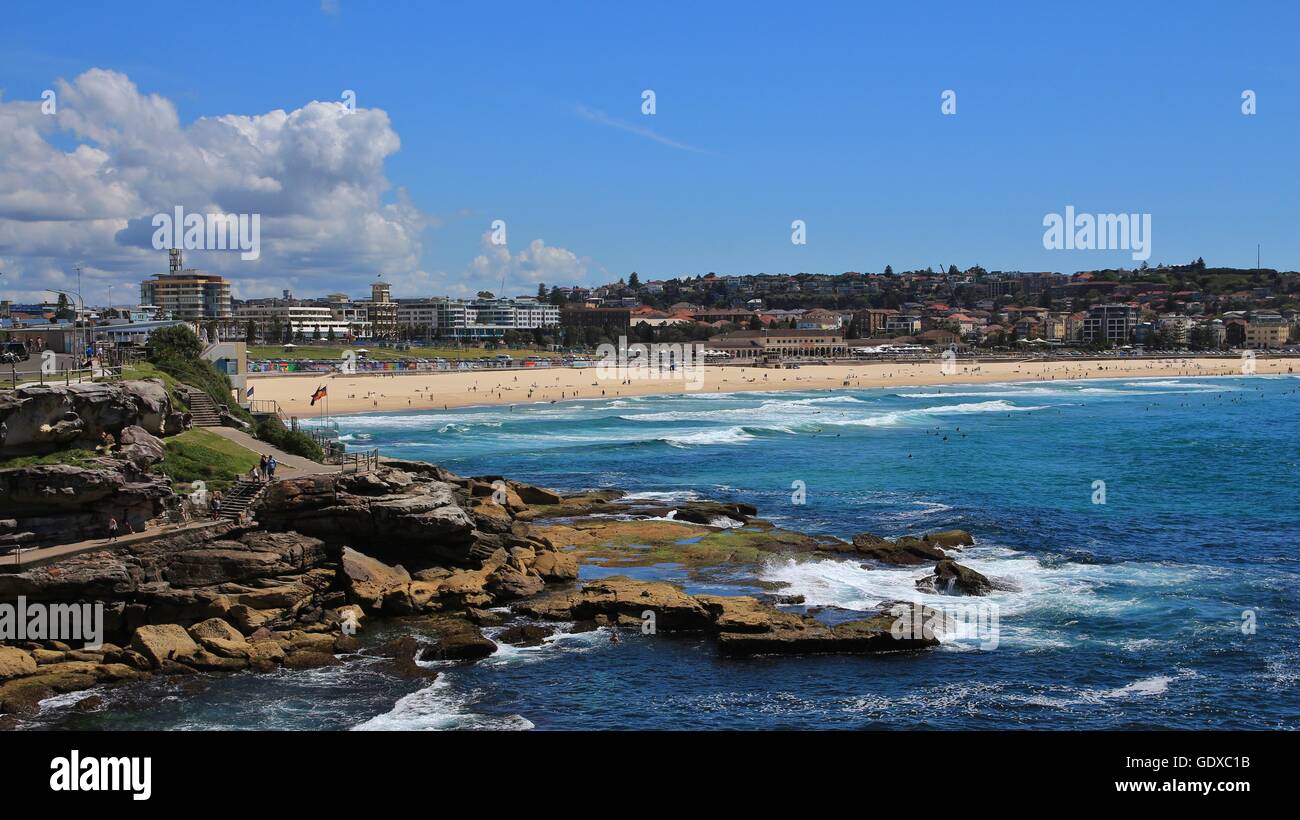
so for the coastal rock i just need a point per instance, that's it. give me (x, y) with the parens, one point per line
(806, 635)
(389, 511)
(714, 513)
(253, 555)
(556, 566)
(23, 694)
(220, 638)
(742, 613)
(139, 446)
(368, 580)
(530, 494)
(61, 503)
(455, 639)
(44, 418)
(951, 578)
(163, 642)
(205, 661)
(403, 652)
(904, 552)
(952, 539)
(525, 635)
(15, 663)
(619, 596)
(508, 583)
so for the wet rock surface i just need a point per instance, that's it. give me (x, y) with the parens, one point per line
(412, 541)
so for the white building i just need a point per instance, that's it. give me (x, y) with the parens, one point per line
(278, 319)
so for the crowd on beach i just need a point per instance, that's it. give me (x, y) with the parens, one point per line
(359, 393)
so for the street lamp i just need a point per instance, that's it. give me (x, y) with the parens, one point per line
(80, 333)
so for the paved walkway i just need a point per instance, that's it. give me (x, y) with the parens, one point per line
(290, 465)
(25, 559)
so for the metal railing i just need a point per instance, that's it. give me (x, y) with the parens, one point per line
(66, 376)
(362, 462)
(266, 407)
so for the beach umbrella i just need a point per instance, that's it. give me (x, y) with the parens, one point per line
(289, 345)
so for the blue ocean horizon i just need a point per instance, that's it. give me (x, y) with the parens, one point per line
(1173, 604)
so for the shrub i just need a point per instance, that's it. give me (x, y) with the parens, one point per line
(177, 352)
(273, 432)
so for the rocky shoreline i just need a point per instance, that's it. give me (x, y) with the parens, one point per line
(325, 553)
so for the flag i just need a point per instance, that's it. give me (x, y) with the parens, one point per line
(318, 395)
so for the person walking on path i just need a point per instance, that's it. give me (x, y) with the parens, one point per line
(271, 464)
(112, 529)
(261, 466)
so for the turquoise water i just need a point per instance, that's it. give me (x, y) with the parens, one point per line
(1127, 614)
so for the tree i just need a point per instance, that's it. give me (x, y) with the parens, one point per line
(250, 332)
(485, 294)
(541, 291)
(755, 322)
(633, 281)
(64, 310)
(889, 270)
(173, 342)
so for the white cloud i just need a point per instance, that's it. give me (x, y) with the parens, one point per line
(600, 117)
(536, 263)
(82, 185)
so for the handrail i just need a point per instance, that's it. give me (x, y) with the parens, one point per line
(360, 462)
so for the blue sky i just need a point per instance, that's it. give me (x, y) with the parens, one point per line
(766, 113)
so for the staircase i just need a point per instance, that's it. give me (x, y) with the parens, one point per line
(202, 409)
(240, 497)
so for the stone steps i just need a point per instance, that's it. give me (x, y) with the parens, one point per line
(202, 409)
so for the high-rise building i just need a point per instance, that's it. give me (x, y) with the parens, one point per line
(1114, 323)
(186, 293)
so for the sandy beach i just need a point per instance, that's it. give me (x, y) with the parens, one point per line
(425, 391)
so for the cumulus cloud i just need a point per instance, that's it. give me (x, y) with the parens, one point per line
(83, 184)
(522, 271)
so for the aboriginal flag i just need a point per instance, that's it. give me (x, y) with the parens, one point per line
(317, 396)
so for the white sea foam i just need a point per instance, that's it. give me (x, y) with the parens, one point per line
(1036, 607)
(670, 495)
(438, 707)
(897, 416)
(728, 435)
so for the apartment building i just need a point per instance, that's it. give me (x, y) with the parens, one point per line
(187, 294)
(281, 319)
(1113, 323)
(477, 319)
(1266, 329)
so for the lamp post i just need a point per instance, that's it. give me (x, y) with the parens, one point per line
(79, 333)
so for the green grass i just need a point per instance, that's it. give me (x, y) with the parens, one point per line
(315, 352)
(198, 455)
(75, 457)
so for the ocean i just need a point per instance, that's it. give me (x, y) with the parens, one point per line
(1173, 604)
